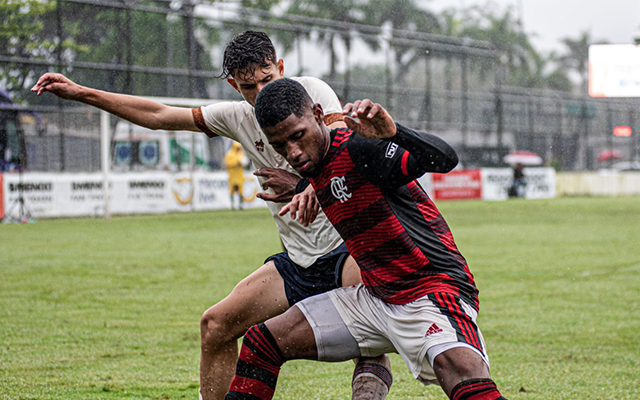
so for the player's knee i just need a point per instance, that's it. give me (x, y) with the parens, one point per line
(461, 363)
(382, 360)
(216, 328)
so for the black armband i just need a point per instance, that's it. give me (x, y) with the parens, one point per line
(302, 185)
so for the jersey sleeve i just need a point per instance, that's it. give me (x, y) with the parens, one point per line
(405, 157)
(321, 93)
(219, 119)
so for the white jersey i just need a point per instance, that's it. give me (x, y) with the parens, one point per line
(236, 120)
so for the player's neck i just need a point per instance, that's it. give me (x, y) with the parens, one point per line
(327, 140)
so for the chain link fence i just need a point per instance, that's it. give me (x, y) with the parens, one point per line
(450, 86)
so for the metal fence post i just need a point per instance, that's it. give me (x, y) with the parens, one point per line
(104, 159)
(60, 69)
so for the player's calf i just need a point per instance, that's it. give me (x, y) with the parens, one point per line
(372, 378)
(258, 366)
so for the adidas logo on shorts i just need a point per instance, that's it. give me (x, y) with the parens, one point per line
(432, 329)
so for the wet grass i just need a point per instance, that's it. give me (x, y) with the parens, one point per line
(110, 310)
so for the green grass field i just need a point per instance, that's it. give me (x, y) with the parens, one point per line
(110, 310)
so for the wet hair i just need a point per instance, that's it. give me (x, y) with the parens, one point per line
(245, 51)
(279, 99)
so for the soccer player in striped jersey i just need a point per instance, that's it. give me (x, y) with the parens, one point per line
(418, 296)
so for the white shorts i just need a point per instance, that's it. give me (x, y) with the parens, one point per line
(349, 322)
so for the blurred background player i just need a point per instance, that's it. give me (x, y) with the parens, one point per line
(519, 181)
(235, 162)
(315, 260)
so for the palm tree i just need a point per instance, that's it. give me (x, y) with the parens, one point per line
(577, 56)
(347, 11)
(404, 15)
(513, 46)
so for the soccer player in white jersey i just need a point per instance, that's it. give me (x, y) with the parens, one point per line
(315, 260)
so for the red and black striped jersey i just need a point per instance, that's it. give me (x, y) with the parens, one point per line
(403, 245)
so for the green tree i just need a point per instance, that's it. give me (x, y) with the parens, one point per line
(29, 32)
(109, 35)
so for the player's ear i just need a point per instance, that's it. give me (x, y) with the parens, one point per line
(233, 83)
(318, 113)
(280, 67)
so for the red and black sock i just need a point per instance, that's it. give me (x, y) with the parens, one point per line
(258, 366)
(476, 389)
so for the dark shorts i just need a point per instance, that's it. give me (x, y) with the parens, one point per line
(324, 275)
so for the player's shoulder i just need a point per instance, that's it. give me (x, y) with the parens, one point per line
(228, 107)
(310, 82)
(321, 92)
(340, 137)
(224, 118)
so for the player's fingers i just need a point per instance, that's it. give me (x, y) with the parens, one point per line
(374, 110)
(267, 183)
(41, 81)
(313, 210)
(351, 123)
(302, 216)
(284, 210)
(266, 196)
(364, 106)
(347, 108)
(293, 207)
(293, 211)
(263, 172)
(47, 87)
(355, 108)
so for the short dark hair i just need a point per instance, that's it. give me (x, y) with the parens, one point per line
(279, 99)
(245, 50)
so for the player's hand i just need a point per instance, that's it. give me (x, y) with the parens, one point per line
(304, 206)
(369, 119)
(282, 182)
(57, 84)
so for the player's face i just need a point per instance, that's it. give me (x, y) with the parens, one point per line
(302, 141)
(250, 81)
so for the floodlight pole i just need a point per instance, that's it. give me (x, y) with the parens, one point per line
(104, 159)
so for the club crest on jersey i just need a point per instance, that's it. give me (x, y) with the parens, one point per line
(391, 150)
(259, 145)
(339, 190)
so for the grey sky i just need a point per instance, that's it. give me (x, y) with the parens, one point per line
(617, 21)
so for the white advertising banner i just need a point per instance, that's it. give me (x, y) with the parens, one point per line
(146, 192)
(210, 191)
(81, 194)
(61, 194)
(496, 183)
(540, 183)
(40, 193)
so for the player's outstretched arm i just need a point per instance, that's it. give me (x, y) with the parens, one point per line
(143, 112)
(402, 155)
